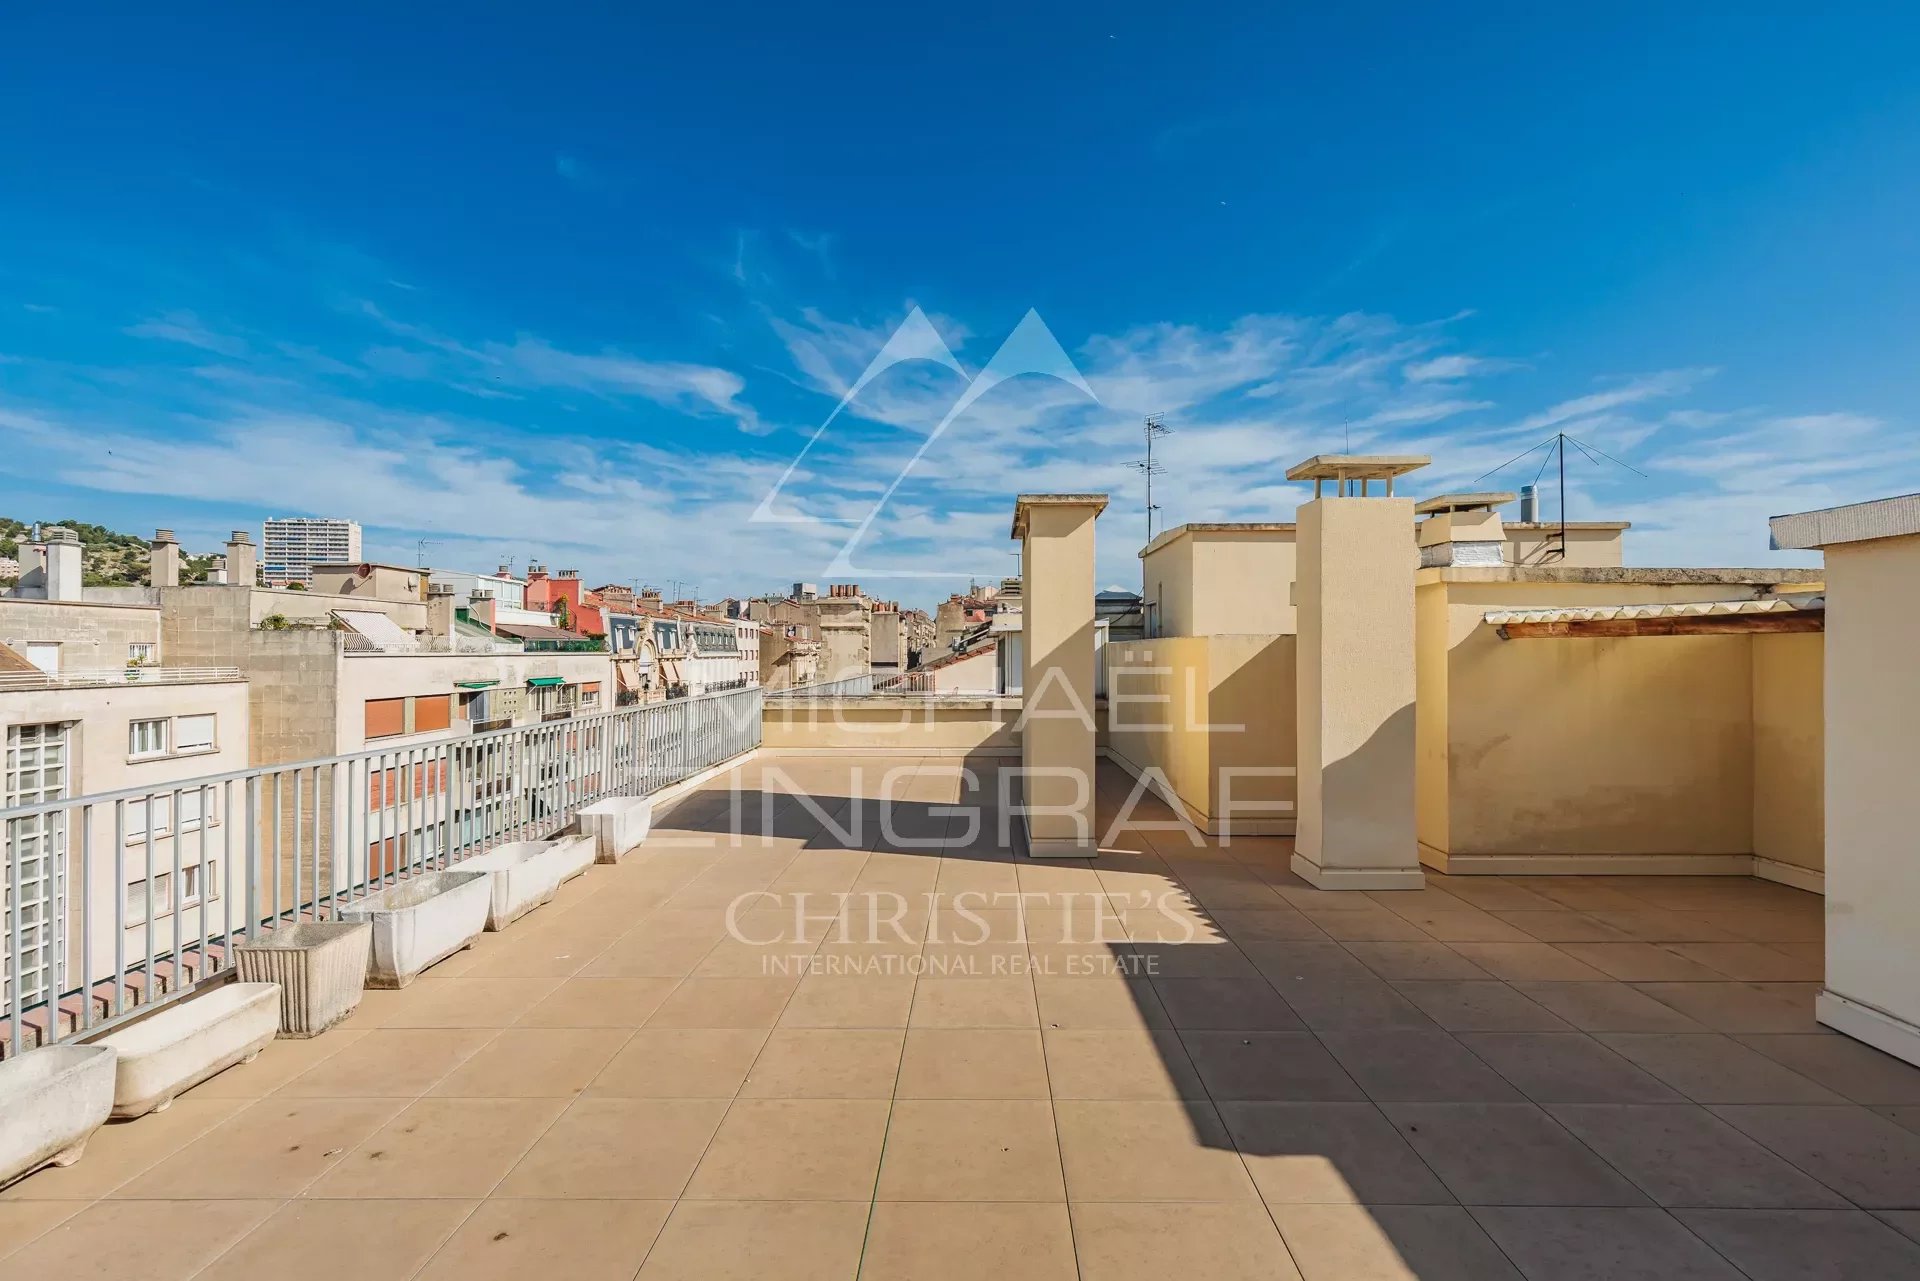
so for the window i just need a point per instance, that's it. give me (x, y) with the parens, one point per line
(590, 694)
(154, 816)
(141, 652)
(34, 770)
(193, 733)
(195, 882)
(432, 713)
(137, 898)
(386, 717)
(147, 738)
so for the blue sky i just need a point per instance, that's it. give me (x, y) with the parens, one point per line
(578, 285)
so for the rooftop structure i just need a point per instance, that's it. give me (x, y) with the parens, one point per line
(290, 546)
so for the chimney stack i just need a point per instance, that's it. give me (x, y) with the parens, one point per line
(568, 573)
(242, 559)
(536, 572)
(505, 571)
(440, 610)
(63, 562)
(163, 559)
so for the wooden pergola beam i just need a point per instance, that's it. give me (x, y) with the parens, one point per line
(1806, 620)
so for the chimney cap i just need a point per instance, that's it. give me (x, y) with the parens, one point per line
(164, 536)
(58, 534)
(240, 536)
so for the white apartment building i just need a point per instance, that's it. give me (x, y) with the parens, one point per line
(292, 545)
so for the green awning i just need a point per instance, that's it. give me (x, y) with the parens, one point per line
(475, 684)
(546, 680)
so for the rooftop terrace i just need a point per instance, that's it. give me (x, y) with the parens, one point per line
(1181, 1060)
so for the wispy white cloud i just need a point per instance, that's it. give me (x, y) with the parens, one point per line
(187, 328)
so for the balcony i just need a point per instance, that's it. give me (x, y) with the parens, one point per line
(1178, 1060)
(93, 677)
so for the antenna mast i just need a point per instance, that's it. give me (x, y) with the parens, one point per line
(1153, 428)
(1556, 445)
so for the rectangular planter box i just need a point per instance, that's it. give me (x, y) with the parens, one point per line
(180, 1045)
(617, 825)
(572, 855)
(321, 967)
(522, 874)
(421, 920)
(51, 1100)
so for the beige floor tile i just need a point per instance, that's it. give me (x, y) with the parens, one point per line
(1109, 1003)
(582, 1002)
(826, 1063)
(1742, 1007)
(759, 1240)
(534, 1062)
(1125, 1064)
(1715, 1069)
(1782, 1245)
(1459, 923)
(325, 1240)
(1859, 1154)
(1508, 1154)
(1602, 1243)
(943, 1150)
(138, 1240)
(1225, 1004)
(1755, 962)
(279, 1063)
(964, 1241)
(734, 959)
(389, 1063)
(1416, 961)
(618, 1148)
(22, 1221)
(1292, 1066)
(725, 1003)
(1607, 1007)
(1402, 1066)
(276, 1148)
(1329, 1154)
(1351, 1004)
(793, 1150)
(1539, 962)
(1685, 1156)
(1634, 962)
(973, 1003)
(644, 955)
(575, 1240)
(1566, 1067)
(973, 1063)
(449, 1147)
(680, 1063)
(120, 1150)
(1562, 925)
(1853, 1069)
(1149, 1152)
(1390, 1243)
(1279, 925)
(464, 1002)
(830, 1000)
(1476, 1006)
(1222, 1242)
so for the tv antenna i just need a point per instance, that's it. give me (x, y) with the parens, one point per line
(1153, 428)
(420, 550)
(1555, 447)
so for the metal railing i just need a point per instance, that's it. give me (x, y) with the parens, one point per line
(133, 674)
(116, 901)
(851, 685)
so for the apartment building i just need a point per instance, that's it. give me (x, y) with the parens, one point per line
(292, 545)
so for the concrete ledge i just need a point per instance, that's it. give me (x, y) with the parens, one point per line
(617, 825)
(51, 1102)
(420, 921)
(1877, 1028)
(180, 1045)
(520, 878)
(1357, 878)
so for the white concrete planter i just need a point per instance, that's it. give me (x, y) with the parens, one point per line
(421, 920)
(618, 825)
(51, 1100)
(180, 1045)
(572, 855)
(522, 874)
(321, 967)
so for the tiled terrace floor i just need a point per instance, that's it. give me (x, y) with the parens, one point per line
(1550, 1078)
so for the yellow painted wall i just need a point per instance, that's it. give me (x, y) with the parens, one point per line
(1213, 582)
(1192, 706)
(1789, 814)
(1661, 746)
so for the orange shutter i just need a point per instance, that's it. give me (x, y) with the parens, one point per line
(386, 717)
(432, 713)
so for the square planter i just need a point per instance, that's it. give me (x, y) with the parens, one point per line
(321, 967)
(421, 920)
(51, 1101)
(180, 1045)
(617, 825)
(522, 876)
(572, 855)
